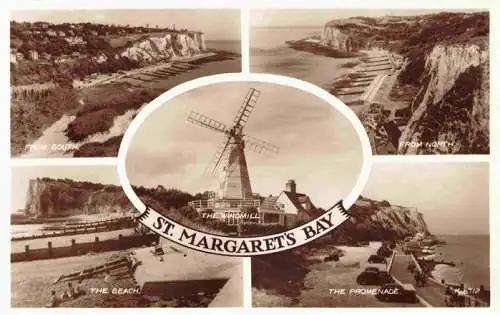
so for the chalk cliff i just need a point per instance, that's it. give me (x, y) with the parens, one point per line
(447, 58)
(452, 105)
(48, 197)
(333, 37)
(166, 47)
(379, 220)
(397, 219)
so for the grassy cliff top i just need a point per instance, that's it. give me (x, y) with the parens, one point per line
(403, 33)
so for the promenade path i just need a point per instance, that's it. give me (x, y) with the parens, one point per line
(430, 295)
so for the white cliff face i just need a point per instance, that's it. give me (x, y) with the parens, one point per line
(336, 39)
(443, 66)
(401, 219)
(446, 63)
(167, 47)
(200, 39)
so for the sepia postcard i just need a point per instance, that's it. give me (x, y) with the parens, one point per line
(417, 79)
(251, 155)
(76, 242)
(79, 77)
(419, 242)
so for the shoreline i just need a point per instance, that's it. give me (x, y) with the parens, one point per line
(456, 273)
(109, 78)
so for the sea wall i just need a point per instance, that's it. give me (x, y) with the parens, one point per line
(167, 47)
(452, 105)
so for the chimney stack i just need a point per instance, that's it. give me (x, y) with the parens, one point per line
(290, 186)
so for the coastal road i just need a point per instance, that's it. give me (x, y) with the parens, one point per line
(59, 241)
(432, 294)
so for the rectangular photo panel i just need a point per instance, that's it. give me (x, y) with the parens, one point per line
(76, 242)
(418, 237)
(78, 77)
(417, 79)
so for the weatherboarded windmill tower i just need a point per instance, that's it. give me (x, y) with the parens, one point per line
(229, 161)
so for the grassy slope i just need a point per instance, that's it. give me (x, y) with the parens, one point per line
(103, 104)
(30, 118)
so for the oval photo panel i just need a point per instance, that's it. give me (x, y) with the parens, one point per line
(244, 167)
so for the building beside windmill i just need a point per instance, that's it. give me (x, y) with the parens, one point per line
(288, 208)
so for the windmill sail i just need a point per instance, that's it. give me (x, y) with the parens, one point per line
(260, 146)
(247, 108)
(207, 122)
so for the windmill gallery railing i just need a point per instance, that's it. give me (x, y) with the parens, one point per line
(224, 204)
(230, 211)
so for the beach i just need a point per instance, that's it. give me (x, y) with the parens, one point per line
(363, 80)
(18, 230)
(31, 282)
(270, 54)
(63, 241)
(470, 253)
(366, 83)
(174, 279)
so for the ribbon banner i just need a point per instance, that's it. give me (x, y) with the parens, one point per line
(244, 246)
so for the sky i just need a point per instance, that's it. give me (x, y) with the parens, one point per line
(21, 175)
(319, 148)
(453, 197)
(216, 24)
(302, 17)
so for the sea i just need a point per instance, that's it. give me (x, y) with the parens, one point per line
(270, 54)
(471, 254)
(228, 45)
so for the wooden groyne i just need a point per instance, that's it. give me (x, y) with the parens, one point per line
(76, 249)
(80, 228)
(93, 271)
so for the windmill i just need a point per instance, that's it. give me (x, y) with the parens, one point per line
(235, 190)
